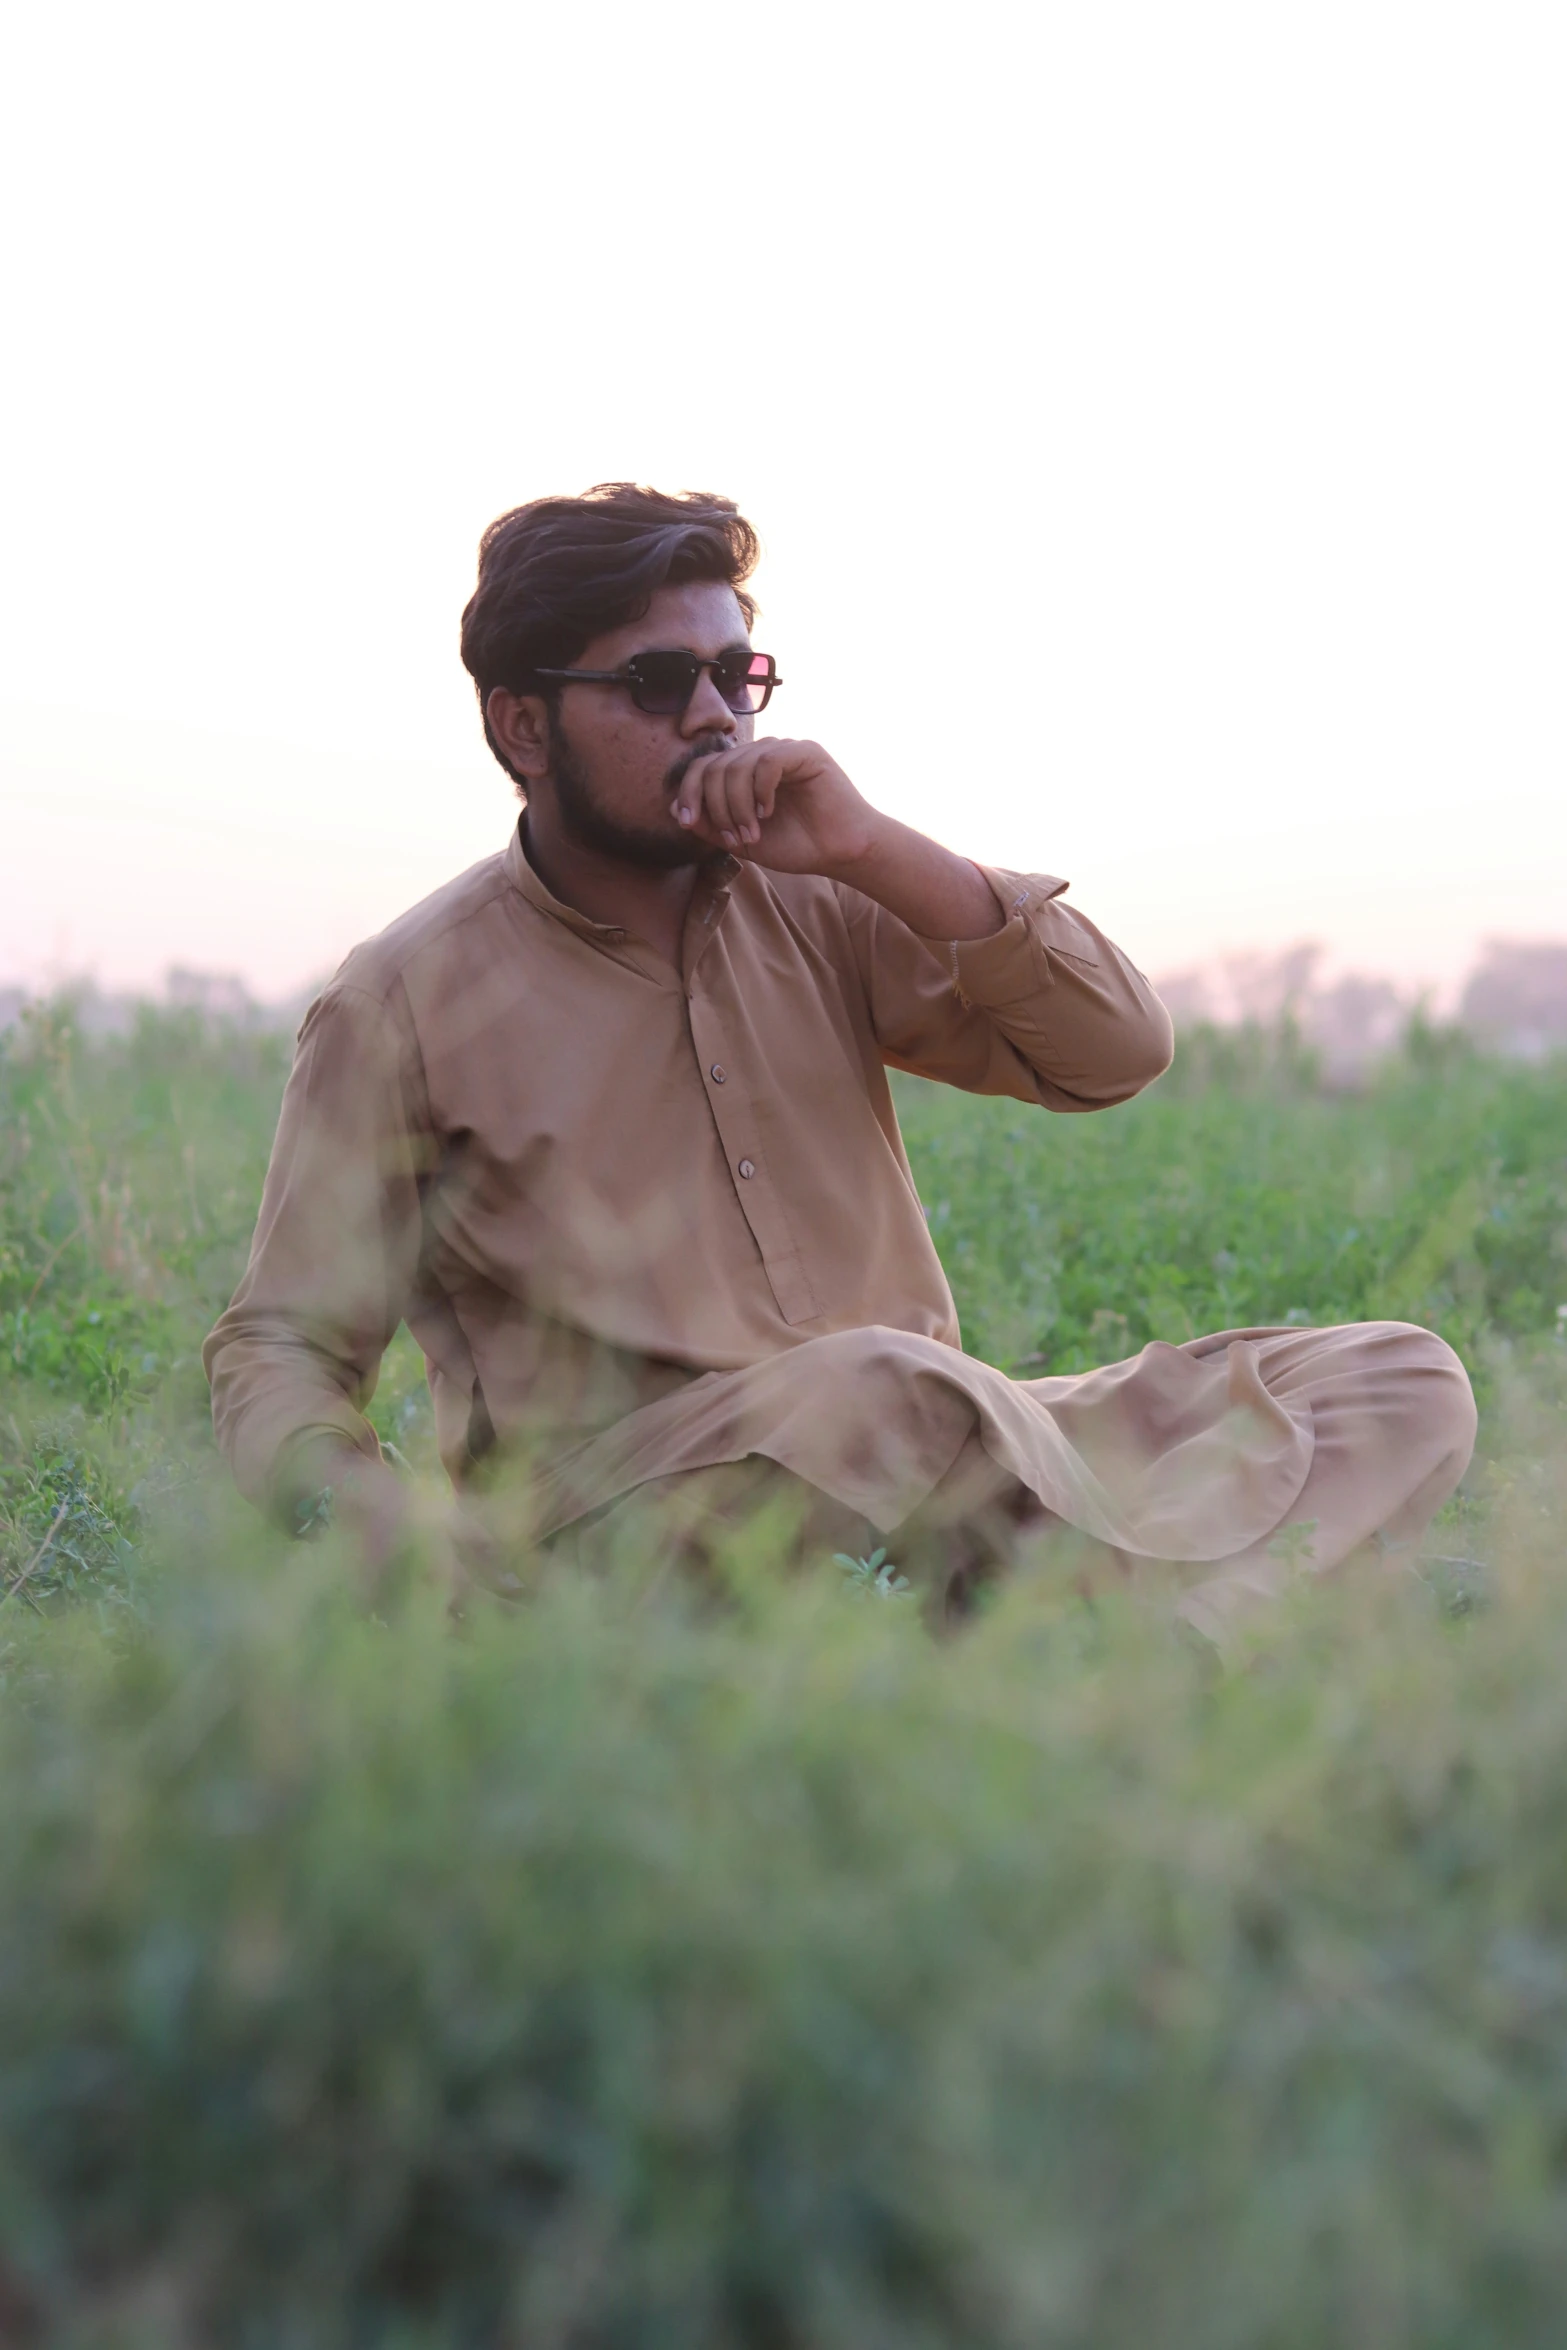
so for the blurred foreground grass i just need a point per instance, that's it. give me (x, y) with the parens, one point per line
(623, 1970)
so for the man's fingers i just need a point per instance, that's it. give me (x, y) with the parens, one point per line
(731, 794)
(766, 776)
(740, 786)
(716, 796)
(688, 792)
(715, 801)
(701, 799)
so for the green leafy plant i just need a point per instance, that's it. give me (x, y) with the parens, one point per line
(633, 1965)
(872, 1578)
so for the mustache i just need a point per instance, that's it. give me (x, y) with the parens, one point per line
(703, 748)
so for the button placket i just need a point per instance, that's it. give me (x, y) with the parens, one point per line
(732, 1113)
(734, 1116)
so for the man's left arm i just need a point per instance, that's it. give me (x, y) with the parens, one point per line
(975, 976)
(1044, 1007)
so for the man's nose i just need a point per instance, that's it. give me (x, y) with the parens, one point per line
(707, 712)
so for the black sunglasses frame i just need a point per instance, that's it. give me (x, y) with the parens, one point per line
(637, 686)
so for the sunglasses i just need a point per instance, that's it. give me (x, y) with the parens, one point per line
(663, 683)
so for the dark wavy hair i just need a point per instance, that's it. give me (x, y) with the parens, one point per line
(558, 572)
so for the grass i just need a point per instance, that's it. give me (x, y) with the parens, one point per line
(623, 1970)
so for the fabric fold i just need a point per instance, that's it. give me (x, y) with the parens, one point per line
(1173, 1454)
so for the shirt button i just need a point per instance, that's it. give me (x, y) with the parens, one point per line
(718, 1075)
(747, 1169)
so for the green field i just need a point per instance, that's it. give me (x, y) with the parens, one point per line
(645, 1968)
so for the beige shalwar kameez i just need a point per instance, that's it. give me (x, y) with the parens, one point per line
(646, 1221)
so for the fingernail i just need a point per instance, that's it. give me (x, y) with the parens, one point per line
(684, 815)
(729, 840)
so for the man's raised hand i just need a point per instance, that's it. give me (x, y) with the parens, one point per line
(784, 805)
(790, 808)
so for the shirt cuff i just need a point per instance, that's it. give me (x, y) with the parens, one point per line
(267, 1465)
(1011, 963)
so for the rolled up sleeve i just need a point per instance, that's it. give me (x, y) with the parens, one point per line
(336, 1246)
(1045, 1009)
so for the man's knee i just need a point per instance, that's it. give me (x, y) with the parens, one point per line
(1439, 1386)
(1432, 1424)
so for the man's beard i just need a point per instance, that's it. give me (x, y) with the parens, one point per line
(591, 827)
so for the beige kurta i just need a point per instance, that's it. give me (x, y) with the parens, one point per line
(649, 1220)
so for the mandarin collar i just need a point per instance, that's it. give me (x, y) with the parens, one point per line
(709, 899)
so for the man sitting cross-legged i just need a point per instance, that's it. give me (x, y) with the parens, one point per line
(607, 1121)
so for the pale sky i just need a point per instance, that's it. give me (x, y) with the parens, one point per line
(1153, 414)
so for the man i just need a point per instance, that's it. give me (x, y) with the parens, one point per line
(607, 1121)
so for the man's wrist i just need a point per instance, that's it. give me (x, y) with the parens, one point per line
(935, 891)
(857, 863)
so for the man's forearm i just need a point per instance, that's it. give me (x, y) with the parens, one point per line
(938, 894)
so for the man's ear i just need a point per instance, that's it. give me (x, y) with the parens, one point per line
(520, 724)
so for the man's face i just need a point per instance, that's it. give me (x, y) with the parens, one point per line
(615, 767)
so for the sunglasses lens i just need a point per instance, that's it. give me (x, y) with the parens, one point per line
(662, 683)
(742, 679)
